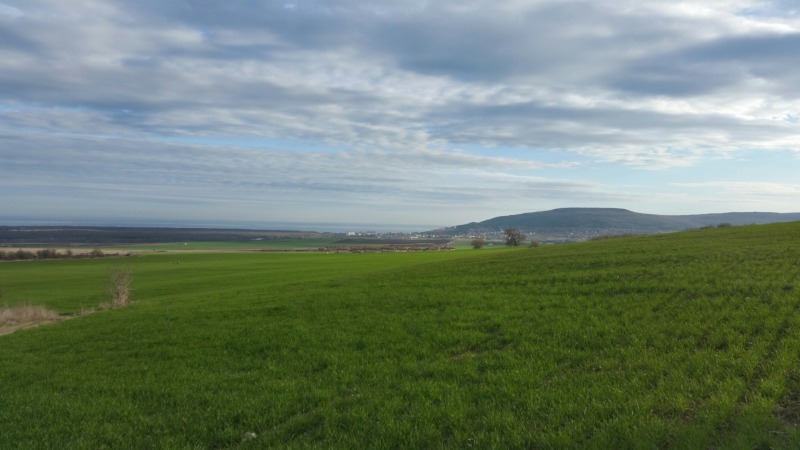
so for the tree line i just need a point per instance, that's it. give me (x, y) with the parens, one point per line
(49, 253)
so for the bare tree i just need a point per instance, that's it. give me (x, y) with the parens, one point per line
(514, 237)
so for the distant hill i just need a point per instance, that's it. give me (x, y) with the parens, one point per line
(569, 224)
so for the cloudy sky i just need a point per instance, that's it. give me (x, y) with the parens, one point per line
(406, 113)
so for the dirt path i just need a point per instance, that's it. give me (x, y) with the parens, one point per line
(8, 328)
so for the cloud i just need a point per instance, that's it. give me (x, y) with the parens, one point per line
(355, 72)
(185, 179)
(411, 101)
(749, 188)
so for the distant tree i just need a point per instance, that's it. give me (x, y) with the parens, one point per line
(23, 254)
(534, 243)
(478, 243)
(47, 253)
(514, 237)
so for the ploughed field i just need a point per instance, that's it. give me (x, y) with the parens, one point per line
(686, 340)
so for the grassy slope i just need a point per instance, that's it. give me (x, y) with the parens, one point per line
(688, 340)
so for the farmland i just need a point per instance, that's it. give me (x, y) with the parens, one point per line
(686, 340)
(276, 244)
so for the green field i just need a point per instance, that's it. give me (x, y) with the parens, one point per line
(266, 244)
(687, 340)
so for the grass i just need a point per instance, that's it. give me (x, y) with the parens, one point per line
(267, 244)
(686, 340)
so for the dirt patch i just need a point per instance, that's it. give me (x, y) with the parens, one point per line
(21, 317)
(28, 316)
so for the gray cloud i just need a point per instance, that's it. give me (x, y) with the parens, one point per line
(722, 64)
(228, 67)
(411, 101)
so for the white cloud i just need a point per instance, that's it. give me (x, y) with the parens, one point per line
(749, 188)
(413, 101)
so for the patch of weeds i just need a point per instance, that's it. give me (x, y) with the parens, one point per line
(119, 286)
(26, 313)
(13, 318)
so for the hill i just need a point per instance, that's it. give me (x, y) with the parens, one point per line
(571, 224)
(681, 340)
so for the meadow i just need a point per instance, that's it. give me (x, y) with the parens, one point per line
(265, 244)
(685, 340)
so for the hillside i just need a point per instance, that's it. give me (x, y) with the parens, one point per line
(570, 224)
(681, 340)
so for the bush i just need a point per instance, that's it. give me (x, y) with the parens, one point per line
(478, 243)
(119, 285)
(47, 253)
(24, 254)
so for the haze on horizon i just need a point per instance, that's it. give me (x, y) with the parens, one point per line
(394, 112)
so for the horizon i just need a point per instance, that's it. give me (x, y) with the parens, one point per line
(395, 113)
(306, 226)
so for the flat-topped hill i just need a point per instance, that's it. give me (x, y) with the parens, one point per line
(589, 222)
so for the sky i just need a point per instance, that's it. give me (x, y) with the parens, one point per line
(400, 114)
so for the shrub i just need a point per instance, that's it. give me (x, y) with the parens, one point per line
(47, 253)
(478, 243)
(119, 285)
(24, 254)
